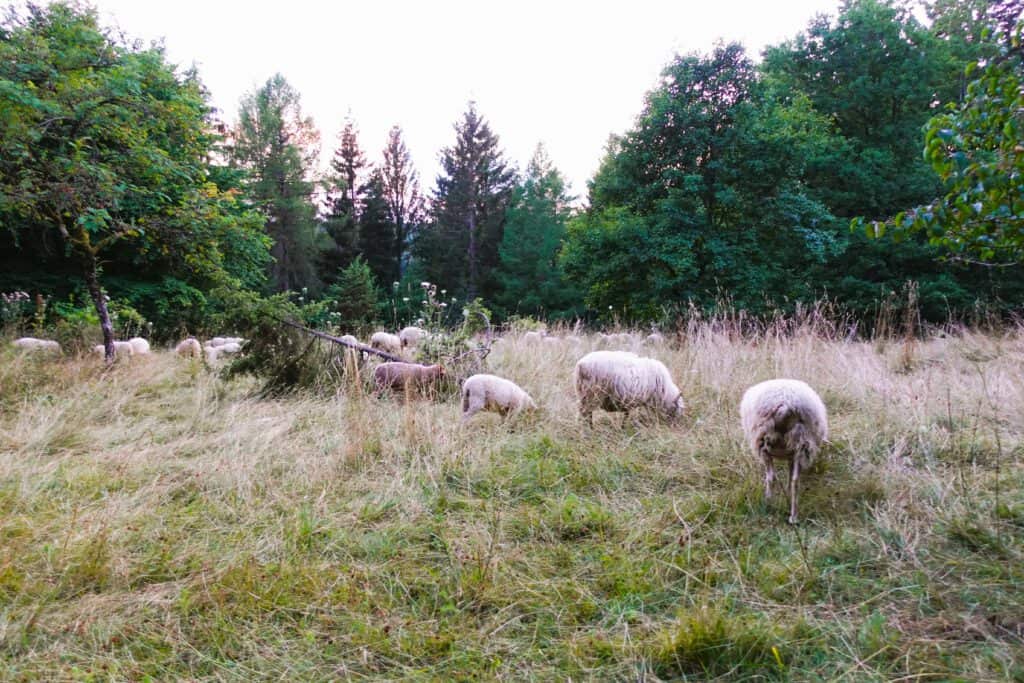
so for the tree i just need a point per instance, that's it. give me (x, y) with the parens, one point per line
(977, 149)
(402, 191)
(530, 279)
(343, 201)
(377, 230)
(277, 145)
(460, 245)
(103, 151)
(877, 73)
(354, 295)
(704, 194)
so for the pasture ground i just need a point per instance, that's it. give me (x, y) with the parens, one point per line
(159, 522)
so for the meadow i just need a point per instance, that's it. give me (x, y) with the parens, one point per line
(160, 521)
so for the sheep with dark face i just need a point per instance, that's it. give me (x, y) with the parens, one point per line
(619, 381)
(784, 419)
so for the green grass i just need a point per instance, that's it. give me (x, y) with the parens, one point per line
(158, 522)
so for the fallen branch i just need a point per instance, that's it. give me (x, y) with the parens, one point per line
(337, 340)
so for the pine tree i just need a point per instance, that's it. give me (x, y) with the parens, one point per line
(354, 295)
(278, 147)
(341, 222)
(402, 192)
(530, 279)
(460, 247)
(376, 230)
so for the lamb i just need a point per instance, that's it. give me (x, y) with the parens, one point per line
(349, 338)
(489, 392)
(784, 418)
(411, 336)
(33, 344)
(120, 348)
(384, 341)
(139, 345)
(406, 377)
(618, 381)
(189, 347)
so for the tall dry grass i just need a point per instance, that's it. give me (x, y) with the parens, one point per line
(159, 521)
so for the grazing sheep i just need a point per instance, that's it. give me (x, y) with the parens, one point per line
(411, 336)
(139, 345)
(120, 348)
(618, 381)
(384, 341)
(33, 344)
(533, 337)
(349, 338)
(213, 353)
(406, 377)
(217, 342)
(654, 339)
(489, 392)
(784, 418)
(189, 347)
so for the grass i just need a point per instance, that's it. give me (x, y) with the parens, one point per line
(159, 522)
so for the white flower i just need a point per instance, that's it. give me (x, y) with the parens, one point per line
(405, 298)
(465, 312)
(609, 308)
(424, 285)
(444, 305)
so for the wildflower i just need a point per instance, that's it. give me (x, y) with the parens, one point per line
(444, 305)
(405, 298)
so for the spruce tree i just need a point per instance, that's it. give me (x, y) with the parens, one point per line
(341, 222)
(277, 145)
(402, 192)
(529, 277)
(376, 230)
(460, 246)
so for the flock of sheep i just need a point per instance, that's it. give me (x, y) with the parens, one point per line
(782, 419)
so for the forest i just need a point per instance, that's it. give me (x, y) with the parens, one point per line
(870, 153)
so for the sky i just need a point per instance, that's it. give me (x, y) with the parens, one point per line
(564, 73)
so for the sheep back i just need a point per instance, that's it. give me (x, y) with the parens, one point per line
(493, 393)
(786, 418)
(621, 380)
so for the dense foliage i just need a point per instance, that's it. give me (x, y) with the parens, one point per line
(736, 184)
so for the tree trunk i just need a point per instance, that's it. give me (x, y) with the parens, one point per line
(92, 282)
(472, 255)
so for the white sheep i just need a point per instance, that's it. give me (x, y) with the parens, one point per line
(387, 342)
(411, 336)
(139, 345)
(349, 338)
(217, 342)
(213, 353)
(493, 393)
(121, 348)
(189, 347)
(33, 344)
(533, 337)
(786, 419)
(619, 381)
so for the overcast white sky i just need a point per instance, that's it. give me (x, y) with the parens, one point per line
(564, 73)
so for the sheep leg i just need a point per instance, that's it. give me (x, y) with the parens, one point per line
(769, 475)
(794, 479)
